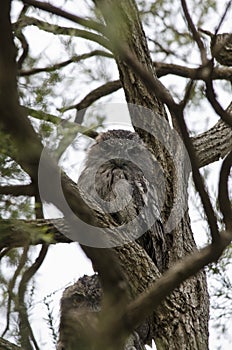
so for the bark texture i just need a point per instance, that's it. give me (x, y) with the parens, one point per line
(181, 322)
(186, 325)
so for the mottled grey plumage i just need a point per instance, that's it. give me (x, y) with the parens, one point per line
(129, 176)
(123, 173)
(80, 306)
(221, 47)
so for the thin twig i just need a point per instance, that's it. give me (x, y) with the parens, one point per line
(11, 286)
(25, 48)
(4, 251)
(25, 327)
(223, 17)
(198, 180)
(94, 95)
(187, 94)
(210, 94)
(195, 33)
(74, 59)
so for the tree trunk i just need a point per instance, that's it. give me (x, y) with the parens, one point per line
(183, 322)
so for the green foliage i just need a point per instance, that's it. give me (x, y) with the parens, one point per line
(16, 208)
(45, 129)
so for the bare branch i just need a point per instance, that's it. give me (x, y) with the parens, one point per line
(18, 190)
(91, 24)
(198, 180)
(190, 265)
(187, 95)
(11, 286)
(223, 16)
(165, 50)
(25, 48)
(95, 94)
(198, 73)
(195, 33)
(56, 66)
(4, 251)
(213, 144)
(210, 94)
(25, 329)
(59, 30)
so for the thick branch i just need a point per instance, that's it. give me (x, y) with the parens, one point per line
(29, 149)
(215, 143)
(19, 233)
(18, 190)
(163, 69)
(145, 303)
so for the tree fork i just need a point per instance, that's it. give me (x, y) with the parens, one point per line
(187, 326)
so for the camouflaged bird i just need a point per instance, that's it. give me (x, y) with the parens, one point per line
(119, 170)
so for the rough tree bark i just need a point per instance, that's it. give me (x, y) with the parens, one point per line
(182, 321)
(185, 327)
